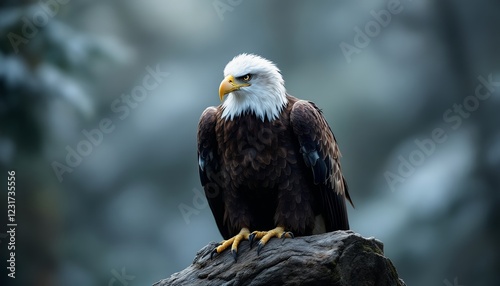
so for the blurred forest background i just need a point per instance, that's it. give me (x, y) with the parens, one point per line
(65, 66)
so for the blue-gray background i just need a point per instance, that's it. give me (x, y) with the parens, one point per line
(118, 210)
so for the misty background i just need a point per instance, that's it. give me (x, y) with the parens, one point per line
(132, 205)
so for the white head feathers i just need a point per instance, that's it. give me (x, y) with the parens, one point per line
(265, 96)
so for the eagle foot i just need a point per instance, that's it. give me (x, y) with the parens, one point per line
(233, 242)
(264, 236)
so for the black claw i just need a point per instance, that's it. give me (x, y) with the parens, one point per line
(213, 252)
(235, 254)
(283, 235)
(260, 247)
(251, 238)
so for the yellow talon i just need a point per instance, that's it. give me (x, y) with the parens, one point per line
(233, 242)
(264, 236)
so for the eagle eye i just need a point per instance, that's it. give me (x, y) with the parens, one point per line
(246, 77)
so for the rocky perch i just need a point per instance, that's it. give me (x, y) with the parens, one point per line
(338, 258)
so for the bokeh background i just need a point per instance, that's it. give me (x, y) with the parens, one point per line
(65, 64)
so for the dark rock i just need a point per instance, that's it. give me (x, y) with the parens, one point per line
(337, 258)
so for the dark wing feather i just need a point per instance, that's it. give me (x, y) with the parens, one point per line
(321, 154)
(209, 167)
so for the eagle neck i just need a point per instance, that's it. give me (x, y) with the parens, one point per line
(267, 107)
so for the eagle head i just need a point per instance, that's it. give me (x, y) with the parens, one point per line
(253, 85)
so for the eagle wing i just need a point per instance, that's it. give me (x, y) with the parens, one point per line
(321, 155)
(209, 167)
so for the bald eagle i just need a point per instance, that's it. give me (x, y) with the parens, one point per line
(268, 162)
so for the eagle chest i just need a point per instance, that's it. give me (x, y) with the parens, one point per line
(254, 153)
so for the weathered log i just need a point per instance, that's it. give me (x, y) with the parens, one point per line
(337, 258)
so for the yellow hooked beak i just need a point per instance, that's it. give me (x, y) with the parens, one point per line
(230, 84)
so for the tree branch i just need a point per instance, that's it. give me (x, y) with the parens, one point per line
(337, 258)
